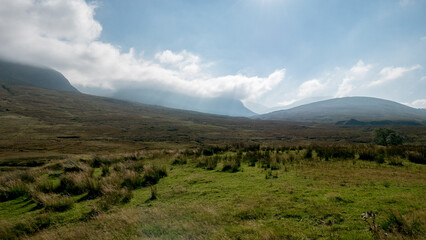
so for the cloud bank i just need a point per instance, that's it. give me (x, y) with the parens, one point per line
(64, 35)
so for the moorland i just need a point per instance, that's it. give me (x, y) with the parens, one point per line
(76, 166)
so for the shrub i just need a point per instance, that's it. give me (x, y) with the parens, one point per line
(132, 179)
(29, 225)
(152, 174)
(308, 154)
(208, 163)
(409, 225)
(13, 189)
(395, 161)
(252, 158)
(231, 164)
(105, 170)
(94, 188)
(153, 193)
(179, 161)
(368, 155)
(74, 183)
(53, 202)
(417, 157)
(28, 176)
(113, 195)
(45, 185)
(387, 137)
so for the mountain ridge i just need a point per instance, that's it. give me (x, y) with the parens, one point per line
(30, 75)
(343, 109)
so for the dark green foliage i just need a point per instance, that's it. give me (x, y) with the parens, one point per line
(152, 174)
(387, 137)
(105, 170)
(113, 195)
(334, 152)
(13, 190)
(53, 202)
(132, 179)
(417, 157)
(29, 225)
(231, 164)
(28, 176)
(308, 153)
(270, 174)
(372, 155)
(46, 185)
(400, 225)
(208, 163)
(153, 193)
(180, 160)
(395, 161)
(368, 155)
(252, 157)
(75, 183)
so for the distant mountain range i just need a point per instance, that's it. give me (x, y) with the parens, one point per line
(23, 74)
(365, 109)
(349, 111)
(221, 106)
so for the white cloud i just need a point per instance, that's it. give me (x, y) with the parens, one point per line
(309, 88)
(63, 34)
(391, 73)
(419, 103)
(357, 72)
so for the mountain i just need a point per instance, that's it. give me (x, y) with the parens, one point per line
(23, 74)
(261, 109)
(221, 106)
(344, 109)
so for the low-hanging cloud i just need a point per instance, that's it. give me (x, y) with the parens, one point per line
(64, 35)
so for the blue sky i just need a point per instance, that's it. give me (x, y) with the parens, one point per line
(268, 52)
(259, 36)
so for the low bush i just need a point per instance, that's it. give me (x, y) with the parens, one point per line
(208, 163)
(132, 179)
(231, 164)
(113, 195)
(152, 174)
(45, 185)
(180, 160)
(417, 157)
(395, 161)
(403, 226)
(29, 225)
(74, 183)
(13, 189)
(53, 202)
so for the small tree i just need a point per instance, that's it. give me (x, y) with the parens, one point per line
(387, 137)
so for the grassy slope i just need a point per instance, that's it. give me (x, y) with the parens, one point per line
(34, 121)
(308, 200)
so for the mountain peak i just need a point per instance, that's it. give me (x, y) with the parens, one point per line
(344, 109)
(28, 75)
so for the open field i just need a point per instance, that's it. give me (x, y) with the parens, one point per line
(221, 193)
(74, 166)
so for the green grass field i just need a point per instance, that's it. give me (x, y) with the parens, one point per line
(284, 196)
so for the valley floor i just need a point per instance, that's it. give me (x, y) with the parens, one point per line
(290, 197)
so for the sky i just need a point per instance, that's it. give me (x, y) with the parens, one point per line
(268, 53)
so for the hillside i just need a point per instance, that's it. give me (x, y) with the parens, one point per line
(221, 106)
(23, 74)
(343, 109)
